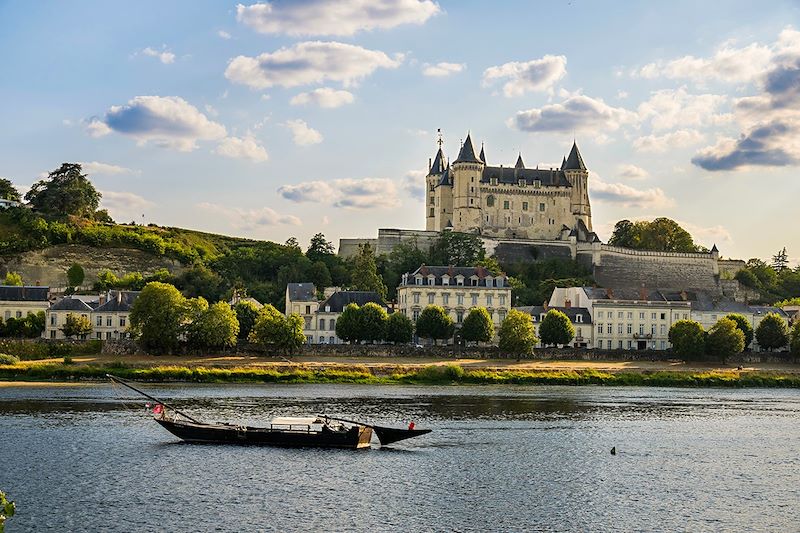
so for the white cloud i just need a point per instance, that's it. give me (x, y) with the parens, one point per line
(302, 134)
(168, 121)
(442, 69)
(622, 95)
(627, 196)
(211, 110)
(668, 108)
(414, 184)
(222, 34)
(536, 75)
(124, 205)
(663, 143)
(347, 193)
(242, 148)
(248, 219)
(164, 55)
(708, 235)
(632, 172)
(96, 167)
(343, 17)
(308, 62)
(324, 97)
(577, 113)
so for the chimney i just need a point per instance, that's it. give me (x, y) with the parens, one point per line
(610, 293)
(684, 296)
(119, 297)
(643, 293)
(568, 304)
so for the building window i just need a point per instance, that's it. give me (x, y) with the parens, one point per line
(652, 316)
(630, 344)
(307, 324)
(537, 184)
(445, 280)
(108, 335)
(53, 319)
(459, 299)
(608, 344)
(310, 339)
(630, 329)
(490, 201)
(599, 314)
(506, 204)
(493, 181)
(524, 206)
(502, 299)
(489, 299)
(471, 201)
(99, 320)
(663, 329)
(600, 328)
(474, 299)
(53, 334)
(663, 316)
(619, 330)
(459, 316)
(521, 182)
(332, 324)
(630, 315)
(98, 335)
(641, 329)
(431, 213)
(653, 329)
(541, 207)
(619, 314)
(663, 345)
(415, 297)
(122, 321)
(686, 316)
(609, 328)
(431, 297)
(445, 298)
(108, 321)
(641, 316)
(308, 309)
(415, 315)
(578, 318)
(501, 315)
(619, 344)
(322, 324)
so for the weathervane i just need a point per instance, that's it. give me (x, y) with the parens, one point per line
(439, 133)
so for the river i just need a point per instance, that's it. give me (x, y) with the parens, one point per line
(89, 458)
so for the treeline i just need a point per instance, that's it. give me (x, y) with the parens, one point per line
(775, 281)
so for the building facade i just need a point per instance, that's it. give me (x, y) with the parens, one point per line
(507, 202)
(456, 289)
(108, 313)
(17, 302)
(579, 316)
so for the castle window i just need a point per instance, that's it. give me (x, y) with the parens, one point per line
(537, 184)
(472, 189)
(524, 206)
(521, 182)
(431, 212)
(471, 201)
(506, 204)
(541, 207)
(493, 180)
(490, 201)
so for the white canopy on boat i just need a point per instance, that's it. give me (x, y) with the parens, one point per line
(294, 421)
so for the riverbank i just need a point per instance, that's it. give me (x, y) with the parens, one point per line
(399, 371)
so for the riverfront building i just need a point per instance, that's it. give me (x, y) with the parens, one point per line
(18, 301)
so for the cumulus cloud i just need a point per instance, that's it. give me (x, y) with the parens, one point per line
(727, 64)
(347, 193)
(632, 172)
(414, 184)
(302, 134)
(248, 219)
(521, 77)
(96, 167)
(164, 55)
(670, 108)
(124, 205)
(168, 121)
(577, 112)
(343, 17)
(663, 143)
(627, 196)
(242, 148)
(442, 69)
(308, 62)
(324, 97)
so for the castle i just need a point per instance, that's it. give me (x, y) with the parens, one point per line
(507, 202)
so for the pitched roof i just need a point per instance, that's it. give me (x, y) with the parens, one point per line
(467, 153)
(482, 156)
(508, 175)
(302, 292)
(574, 161)
(27, 293)
(519, 163)
(118, 301)
(341, 299)
(69, 303)
(572, 312)
(563, 162)
(438, 272)
(438, 165)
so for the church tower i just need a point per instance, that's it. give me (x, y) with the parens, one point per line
(578, 177)
(467, 172)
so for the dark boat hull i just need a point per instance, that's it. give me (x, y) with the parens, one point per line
(353, 437)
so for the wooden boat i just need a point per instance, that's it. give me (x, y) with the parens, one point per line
(317, 431)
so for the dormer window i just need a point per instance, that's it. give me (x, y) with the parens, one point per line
(521, 182)
(537, 184)
(499, 282)
(327, 308)
(419, 280)
(460, 280)
(445, 280)
(493, 181)
(431, 279)
(579, 318)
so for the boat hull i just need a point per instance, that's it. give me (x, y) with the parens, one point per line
(352, 437)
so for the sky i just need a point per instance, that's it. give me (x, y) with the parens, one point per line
(287, 118)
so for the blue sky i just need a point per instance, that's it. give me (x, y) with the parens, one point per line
(289, 118)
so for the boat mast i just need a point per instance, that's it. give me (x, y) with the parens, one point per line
(125, 383)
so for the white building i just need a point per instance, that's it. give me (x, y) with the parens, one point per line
(18, 301)
(579, 316)
(108, 313)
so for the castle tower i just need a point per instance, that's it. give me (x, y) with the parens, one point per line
(435, 172)
(467, 172)
(577, 175)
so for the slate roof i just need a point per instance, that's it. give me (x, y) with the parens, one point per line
(572, 312)
(574, 160)
(439, 271)
(467, 153)
(482, 156)
(27, 293)
(341, 299)
(69, 303)
(118, 302)
(508, 175)
(519, 164)
(302, 292)
(438, 165)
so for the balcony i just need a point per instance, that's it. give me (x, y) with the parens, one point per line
(642, 335)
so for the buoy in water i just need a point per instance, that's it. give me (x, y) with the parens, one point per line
(614, 450)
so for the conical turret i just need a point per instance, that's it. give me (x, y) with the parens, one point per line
(467, 153)
(438, 165)
(519, 164)
(574, 161)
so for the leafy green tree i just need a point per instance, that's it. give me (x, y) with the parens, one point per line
(794, 343)
(76, 326)
(457, 249)
(744, 325)
(625, 234)
(766, 275)
(8, 191)
(278, 331)
(372, 322)
(13, 278)
(158, 316)
(399, 328)
(556, 328)
(319, 249)
(404, 257)
(65, 191)
(214, 328)
(747, 278)
(7, 510)
(364, 274)
(75, 275)
(788, 301)
(320, 276)
(724, 339)
(106, 280)
(772, 333)
(517, 334)
(102, 216)
(291, 242)
(434, 323)
(33, 325)
(661, 235)
(348, 327)
(688, 338)
(477, 326)
(246, 315)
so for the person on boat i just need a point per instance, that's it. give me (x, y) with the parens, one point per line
(411, 425)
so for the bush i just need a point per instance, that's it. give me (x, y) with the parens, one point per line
(440, 373)
(68, 360)
(6, 359)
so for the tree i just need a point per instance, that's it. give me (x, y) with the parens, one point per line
(794, 343)
(517, 334)
(102, 216)
(320, 276)
(780, 261)
(477, 326)
(65, 191)
(556, 328)
(13, 278)
(625, 235)
(75, 275)
(158, 316)
(688, 338)
(364, 274)
(348, 326)
(292, 243)
(724, 339)
(8, 191)
(772, 333)
(319, 248)
(246, 314)
(76, 326)
(434, 323)
(743, 325)
(372, 322)
(278, 331)
(214, 328)
(661, 235)
(457, 249)
(746, 278)
(7, 509)
(399, 328)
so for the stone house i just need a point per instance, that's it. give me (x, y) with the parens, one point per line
(17, 302)
(56, 316)
(108, 313)
(579, 316)
(301, 299)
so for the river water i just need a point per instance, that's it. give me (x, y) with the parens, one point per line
(89, 458)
